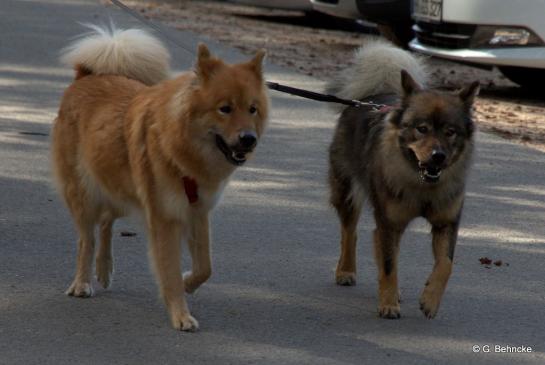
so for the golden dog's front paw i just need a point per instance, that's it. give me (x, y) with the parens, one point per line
(345, 278)
(189, 283)
(180, 315)
(429, 302)
(185, 322)
(389, 311)
(80, 289)
(193, 281)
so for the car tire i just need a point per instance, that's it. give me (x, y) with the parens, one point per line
(528, 78)
(398, 34)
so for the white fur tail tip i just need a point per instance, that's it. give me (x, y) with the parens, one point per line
(132, 53)
(377, 70)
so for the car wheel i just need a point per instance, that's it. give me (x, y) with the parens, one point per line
(528, 78)
(399, 34)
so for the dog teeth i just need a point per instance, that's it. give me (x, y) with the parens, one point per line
(238, 156)
(436, 175)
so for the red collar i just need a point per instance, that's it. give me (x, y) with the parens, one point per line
(191, 189)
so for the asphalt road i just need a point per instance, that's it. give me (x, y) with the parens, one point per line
(272, 297)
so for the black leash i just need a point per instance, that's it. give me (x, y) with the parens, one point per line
(271, 85)
(314, 95)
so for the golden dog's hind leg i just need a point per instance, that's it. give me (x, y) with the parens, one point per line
(104, 257)
(165, 250)
(386, 240)
(199, 246)
(81, 286)
(443, 241)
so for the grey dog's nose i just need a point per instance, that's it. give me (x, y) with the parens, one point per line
(247, 139)
(438, 156)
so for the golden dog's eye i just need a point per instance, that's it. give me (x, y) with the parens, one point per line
(253, 110)
(422, 129)
(450, 132)
(226, 109)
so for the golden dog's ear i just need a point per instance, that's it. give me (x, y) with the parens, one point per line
(206, 63)
(469, 92)
(256, 63)
(408, 84)
(203, 52)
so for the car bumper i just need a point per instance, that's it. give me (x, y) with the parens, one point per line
(533, 57)
(341, 8)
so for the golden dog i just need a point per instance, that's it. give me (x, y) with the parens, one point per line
(127, 136)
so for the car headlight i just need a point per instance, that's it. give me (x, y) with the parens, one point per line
(495, 36)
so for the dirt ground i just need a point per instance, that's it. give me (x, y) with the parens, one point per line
(320, 47)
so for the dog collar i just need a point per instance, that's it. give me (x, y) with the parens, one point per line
(191, 189)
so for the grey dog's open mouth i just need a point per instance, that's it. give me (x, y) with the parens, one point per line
(430, 174)
(234, 155)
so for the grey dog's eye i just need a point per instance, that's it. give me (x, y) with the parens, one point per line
(226, 109)
(422, 129)
(450, 132)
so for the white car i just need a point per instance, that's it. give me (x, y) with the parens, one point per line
(504, 33)
(391, 17)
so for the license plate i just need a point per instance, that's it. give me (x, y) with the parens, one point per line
(427, 10)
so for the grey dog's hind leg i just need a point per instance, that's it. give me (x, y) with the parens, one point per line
(348, 211)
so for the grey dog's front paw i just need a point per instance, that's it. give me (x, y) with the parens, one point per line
(345, 278)
(429, 302)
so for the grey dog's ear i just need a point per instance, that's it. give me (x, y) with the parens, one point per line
(467, 95)
(408, 84)
(469, 92)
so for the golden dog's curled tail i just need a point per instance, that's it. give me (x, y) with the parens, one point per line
(377, 70)
(132, 53)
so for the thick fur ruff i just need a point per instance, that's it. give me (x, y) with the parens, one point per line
(166, 150)
(132, 53)
(376, 70)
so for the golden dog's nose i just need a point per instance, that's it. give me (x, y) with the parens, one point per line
(247, 140)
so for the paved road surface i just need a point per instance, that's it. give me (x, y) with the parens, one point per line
(272, 297)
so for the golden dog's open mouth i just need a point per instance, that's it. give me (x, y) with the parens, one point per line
(234, 155)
